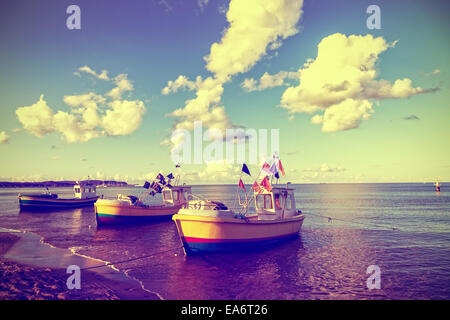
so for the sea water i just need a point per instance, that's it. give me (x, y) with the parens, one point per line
(404, 229)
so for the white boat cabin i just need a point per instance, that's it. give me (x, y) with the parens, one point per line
(85, 191)
(176, 195)
(276, 204)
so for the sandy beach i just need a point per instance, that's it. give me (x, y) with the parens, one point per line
(27, 282)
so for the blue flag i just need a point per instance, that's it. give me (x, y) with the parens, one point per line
(245, 169)
(161, 179)
(156, 187)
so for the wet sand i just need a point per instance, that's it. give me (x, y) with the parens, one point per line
(23, 281)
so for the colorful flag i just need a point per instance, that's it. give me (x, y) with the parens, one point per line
(178, 165)
(280, 166)
(156, 187)
(241, 185)
(245, 169)
(161, 179)
(256, 187)
(170, 176)
(146, 185)
(266, 184)
(266, 167)
(273, 169)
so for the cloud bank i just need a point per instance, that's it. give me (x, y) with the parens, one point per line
(338, 86)
(254, 27)
(91, 115)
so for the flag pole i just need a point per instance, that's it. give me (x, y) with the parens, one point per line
(237, 192)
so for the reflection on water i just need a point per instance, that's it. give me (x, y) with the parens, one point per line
(327, 261)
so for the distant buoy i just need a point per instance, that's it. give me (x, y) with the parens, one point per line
(438, 186)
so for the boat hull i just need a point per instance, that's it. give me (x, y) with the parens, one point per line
(107, 214)
(39, 203)
(201, 234)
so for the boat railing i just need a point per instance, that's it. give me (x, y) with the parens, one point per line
(208, 204)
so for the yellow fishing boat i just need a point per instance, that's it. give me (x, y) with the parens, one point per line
(130, 209)
(205, 226)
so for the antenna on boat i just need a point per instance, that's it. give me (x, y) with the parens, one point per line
(178, 174)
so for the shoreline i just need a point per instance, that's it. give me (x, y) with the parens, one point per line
(33, 270)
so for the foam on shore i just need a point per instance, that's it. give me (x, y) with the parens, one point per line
(31, 250)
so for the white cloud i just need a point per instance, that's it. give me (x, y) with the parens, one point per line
(182, 82)
(435, 72)
(326, 168)
(123, 118)
(103, 75)
(87, 105)
(122, 85)
(204, 107)
(269, 81)
(341, 81)
(345, 115)
(91, 115)
(73, 128)
(37, 119)
(4, 138)
(323, 169)
(202, 3)
(254, 26)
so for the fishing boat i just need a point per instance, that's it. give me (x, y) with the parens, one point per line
(85, 195)
(207, 226)
(131, 209)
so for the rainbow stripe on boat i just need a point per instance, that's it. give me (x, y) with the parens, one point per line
(113, 213)
(130, 209)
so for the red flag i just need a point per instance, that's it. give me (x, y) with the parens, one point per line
(241, 185)
(266, 167)
(280, 166)
(256, 187)
(266, 184)
(273, 169)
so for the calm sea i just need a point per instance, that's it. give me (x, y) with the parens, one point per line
(402, 228)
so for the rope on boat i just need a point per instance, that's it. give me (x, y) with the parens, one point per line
(330, 219)
(132, 259)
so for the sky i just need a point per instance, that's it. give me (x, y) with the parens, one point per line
(109, 100)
